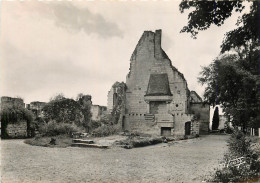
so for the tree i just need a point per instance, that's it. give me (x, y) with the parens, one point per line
(215, 120)
(230, 84)
(207, 13)
(58, 96)
(63, 111)
(230, 79)
(80, 95)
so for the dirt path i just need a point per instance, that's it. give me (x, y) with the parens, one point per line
(184, 161)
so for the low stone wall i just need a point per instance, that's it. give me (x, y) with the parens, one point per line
(17, 130)
(195, 127)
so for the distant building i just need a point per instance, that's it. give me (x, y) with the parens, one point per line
(97, 111)
(9, 101)
(36, 107)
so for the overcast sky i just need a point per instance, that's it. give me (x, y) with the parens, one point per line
(76, 47)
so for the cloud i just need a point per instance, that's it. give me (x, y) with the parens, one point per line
(26, 75)
(76, 19)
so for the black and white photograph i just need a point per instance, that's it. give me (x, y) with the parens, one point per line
(128, 91)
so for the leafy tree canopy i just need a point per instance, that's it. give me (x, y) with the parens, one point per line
(230, 83)
(61, 109)
(59, 96)
(15, 114)
(231, 78)
(206, 13)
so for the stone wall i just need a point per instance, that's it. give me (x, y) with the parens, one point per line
(97, 111)
(13, 129)
(36, 107)
(149, 58)
(110, 96)
(9, 101)
(17, 130)
(194, 97)
(201, 113)
(157, 98)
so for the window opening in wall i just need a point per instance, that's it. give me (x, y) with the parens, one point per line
(114, 99)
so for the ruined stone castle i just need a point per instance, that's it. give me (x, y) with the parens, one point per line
(156, 99)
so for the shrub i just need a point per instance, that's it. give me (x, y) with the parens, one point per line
(93, 124)
(53, 129)
(60, 141)
(67, 110)
(239, 146)
(136, 141)
(63, 110)
(106, 130)
(15, 114)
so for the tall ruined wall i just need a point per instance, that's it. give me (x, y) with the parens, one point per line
(149, 58)
(194, 97)
(116, 103)
(97, 111)
(36, 107)
(110, 100)
(9, 101)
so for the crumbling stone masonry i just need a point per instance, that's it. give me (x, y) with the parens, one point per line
(36, 107)
(117, 103)
(9, 101)
(18, 129)
(157, 98)
(97, 112)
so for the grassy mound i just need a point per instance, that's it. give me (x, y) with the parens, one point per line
(55, 141)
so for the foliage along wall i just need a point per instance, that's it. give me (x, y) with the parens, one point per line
(16, 122)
